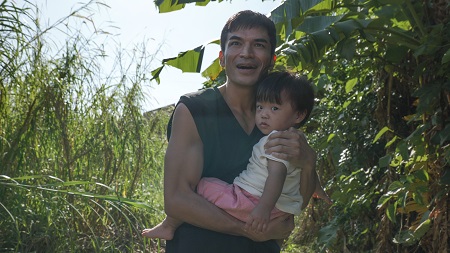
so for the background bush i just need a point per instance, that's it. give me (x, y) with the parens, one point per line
(80, 164)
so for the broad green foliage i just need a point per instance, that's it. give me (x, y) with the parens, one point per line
(174, 5)
(381, 125)
(190, 61)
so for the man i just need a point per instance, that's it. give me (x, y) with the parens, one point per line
(212, 133)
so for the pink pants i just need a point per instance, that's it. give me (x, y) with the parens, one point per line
(231, 198)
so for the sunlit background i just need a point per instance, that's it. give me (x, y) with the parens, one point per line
(137, 22)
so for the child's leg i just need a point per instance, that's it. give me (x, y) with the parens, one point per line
(164, 230)
(228, 197)
(320, 193)
(310, 186)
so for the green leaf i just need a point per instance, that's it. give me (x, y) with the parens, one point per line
(213, 71)
(189, 61)
(324, 5)
(290, 14)
(322, 81)
(347, 27)
(350, 84)
(404, 237)
(114, 198)
(156, 73)
(384, 161)
(396, 161)
(428, 96)
(395, 187)
(380, 133)
(390, 212)
(422, 229)
(446, 57)
(383, 200)
(347, 48)
(317, 23)
(409, 237)
(422, 175)
(404, 25)
(168, 5)
(322, 39)
(330, 137)
(402, 149)
(391, 142)
(70, 183)
(346, 104)
(417, 197)
(201, 3)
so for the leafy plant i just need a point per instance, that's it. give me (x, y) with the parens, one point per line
(381, 125)
(80, 164)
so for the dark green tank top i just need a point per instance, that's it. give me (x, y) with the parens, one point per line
(226, 146)
(226, 149)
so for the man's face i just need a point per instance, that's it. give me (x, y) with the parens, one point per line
(247, 56)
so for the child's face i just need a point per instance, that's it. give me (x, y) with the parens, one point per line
(273, 116)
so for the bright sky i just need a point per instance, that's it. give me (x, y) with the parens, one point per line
(139, 21)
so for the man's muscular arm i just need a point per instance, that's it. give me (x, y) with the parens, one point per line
(182, 172)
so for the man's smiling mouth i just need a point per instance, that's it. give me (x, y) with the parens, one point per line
(245, 66)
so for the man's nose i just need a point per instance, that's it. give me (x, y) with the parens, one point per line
(247, 51)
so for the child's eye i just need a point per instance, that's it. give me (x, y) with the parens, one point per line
(259, 107)
(274, 108)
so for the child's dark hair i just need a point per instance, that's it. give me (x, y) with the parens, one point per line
(249, 19)
(299, 91)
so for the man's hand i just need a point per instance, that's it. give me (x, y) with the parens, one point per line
(291, 145)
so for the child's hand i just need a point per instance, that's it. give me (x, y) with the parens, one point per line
(258, 220)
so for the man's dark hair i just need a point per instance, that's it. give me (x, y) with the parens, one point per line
(247, 20)
(297, 89)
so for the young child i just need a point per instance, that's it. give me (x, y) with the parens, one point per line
(269, 187)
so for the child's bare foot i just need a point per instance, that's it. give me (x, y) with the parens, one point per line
(320, 193)
(162, 231)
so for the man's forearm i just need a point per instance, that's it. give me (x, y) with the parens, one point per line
(199, 212)
(195, 210)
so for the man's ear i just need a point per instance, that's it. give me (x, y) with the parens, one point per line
(221, 59)
(272, 62)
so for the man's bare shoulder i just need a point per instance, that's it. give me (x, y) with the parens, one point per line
(183, 125)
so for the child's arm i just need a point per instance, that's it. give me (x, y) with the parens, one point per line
(260, 216)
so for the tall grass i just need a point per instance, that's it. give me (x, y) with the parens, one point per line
(80, 164)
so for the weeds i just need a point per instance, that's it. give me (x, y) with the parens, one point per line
(80, 164)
